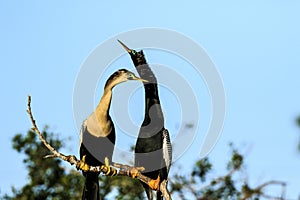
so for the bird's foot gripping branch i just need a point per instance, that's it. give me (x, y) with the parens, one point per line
(116, 170)
(106, 169)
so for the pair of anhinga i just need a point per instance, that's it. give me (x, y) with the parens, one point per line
(153, 148)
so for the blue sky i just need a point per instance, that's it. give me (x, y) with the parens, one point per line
(254, 45)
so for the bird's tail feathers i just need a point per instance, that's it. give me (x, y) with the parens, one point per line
(91, 186)
(149, 191)
(159, 195)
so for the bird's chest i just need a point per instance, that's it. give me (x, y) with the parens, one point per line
(98, 147)
(149, 144)
(99, 127)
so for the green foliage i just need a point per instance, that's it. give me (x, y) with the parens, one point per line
(201, 169)
(48, 178)
(231, 186)
(127, 188)
(236, 160)
(298, 123)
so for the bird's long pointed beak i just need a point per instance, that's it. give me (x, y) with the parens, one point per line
(124, 46)
(140, 79)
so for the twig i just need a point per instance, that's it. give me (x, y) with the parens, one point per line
(135, 172)
(273, 182)
(164, 190)
(247, 194)
(123, 170)
(71, 159)
(219, 179)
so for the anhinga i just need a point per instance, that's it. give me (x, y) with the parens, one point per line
(153, 148)
(98, 134)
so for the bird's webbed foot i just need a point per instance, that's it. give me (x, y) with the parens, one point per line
(133, 172)
(82, 165)
(107, 169)
(154, 184)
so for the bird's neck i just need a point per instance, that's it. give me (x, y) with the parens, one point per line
(102, 109)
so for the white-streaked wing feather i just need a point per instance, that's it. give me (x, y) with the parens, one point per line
(167, 149)
(83, 127)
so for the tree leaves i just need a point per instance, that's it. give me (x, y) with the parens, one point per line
(49, 179)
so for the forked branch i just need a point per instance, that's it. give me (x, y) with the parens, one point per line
(117, 170)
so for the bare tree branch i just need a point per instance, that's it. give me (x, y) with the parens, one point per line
(246, 194)
(123, 170)
(262, 186)
(71, 159)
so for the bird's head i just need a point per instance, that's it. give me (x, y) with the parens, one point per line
(137, 57)
(120, 76)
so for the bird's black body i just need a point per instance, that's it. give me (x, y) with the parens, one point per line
(98, 135)
(95, 149)
(153, 147)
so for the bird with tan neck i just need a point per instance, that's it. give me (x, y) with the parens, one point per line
(98, 134)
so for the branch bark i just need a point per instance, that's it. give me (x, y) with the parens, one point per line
(118, 169)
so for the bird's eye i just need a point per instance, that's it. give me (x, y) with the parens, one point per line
(130, 76)
(133, 52)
